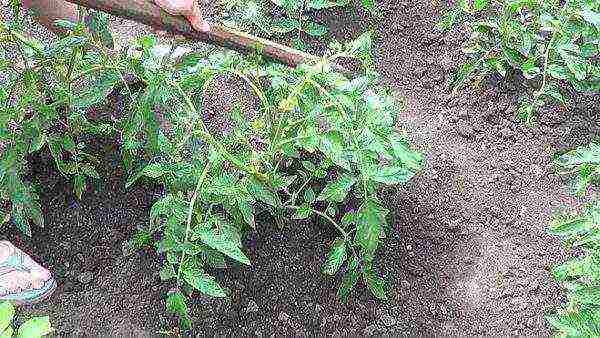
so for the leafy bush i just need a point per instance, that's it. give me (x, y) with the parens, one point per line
(315, 145)
(580, 275)
(43, 103)
(551, 43)
(584, 163)
(252, 14)
(36, 327)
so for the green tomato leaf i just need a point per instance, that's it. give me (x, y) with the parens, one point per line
(35, 328)
(479, 5)
(368, 4)
(153, 170)
(7, 313)
(336, 257)
(98, 23)
(303, 212)
(260, 192)
(557, 71)
(526, 110)
(286, 25)
(323, 4)
(65, 24)
(337, 190)
(167, 272)
(349, 218)
(370, 220)
(97, 91)
(247, 212)
(315, 29)
(361, 45)
(375, 284)
(176, 304)
(463, 74)
(575, 64)
(498, 65)
(576, 268)
(309, 195)
(203, 282)
(221, 243)
(552, 90)
(79, 185)
(348, 283)
(8, 333)
(591, 16)
(448, 20)
(309, 166)
(391, 175)
(332, 145)
(215, 259)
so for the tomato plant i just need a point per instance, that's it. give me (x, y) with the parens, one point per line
(552, 44)
(316, 145)
(253, 14)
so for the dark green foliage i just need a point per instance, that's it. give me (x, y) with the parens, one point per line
(583, 164)
(310, 124)
(252, 14)
(551, 43)
(315, 144)
(43, 103)
(35, 327)
(580, 275)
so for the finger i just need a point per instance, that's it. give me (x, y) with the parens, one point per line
(177, 7)
(197, 21)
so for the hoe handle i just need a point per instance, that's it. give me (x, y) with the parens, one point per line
(147, 12)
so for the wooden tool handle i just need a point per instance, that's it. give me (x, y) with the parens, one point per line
(147, 12)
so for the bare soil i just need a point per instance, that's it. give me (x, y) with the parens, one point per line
(468, 254)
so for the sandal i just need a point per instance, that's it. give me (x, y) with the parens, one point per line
(22, 280)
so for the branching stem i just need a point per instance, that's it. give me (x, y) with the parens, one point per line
(188, 226)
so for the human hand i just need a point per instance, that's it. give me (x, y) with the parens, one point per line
(187, 8)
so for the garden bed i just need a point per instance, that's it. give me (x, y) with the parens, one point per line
(469, 252)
